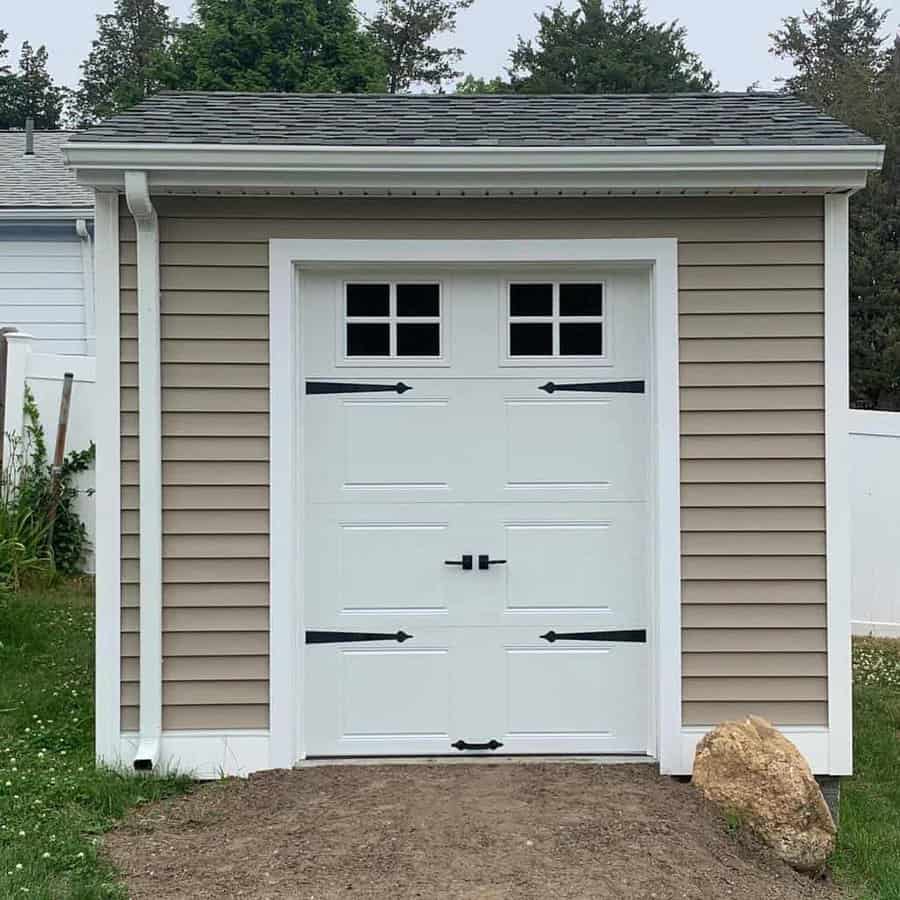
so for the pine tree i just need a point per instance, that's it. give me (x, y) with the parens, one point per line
(30, 91)
(606, 47)
(403, 31)
(275, 45)
(124, 63)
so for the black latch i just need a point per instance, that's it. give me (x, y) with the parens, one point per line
(346, 387)
(484, 563)
(597, 387)
(465, 562)
(350, 637)
(628, 637)
(465, 745)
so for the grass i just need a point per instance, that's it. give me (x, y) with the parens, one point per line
(868, 853)
(54, 802)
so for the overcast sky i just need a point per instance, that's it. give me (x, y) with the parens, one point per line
(732, 38)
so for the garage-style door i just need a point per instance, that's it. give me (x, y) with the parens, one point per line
(476, 537)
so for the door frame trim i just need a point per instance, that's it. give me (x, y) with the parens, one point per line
(286, 627)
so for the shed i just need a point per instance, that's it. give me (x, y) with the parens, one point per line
(46, 244)
(470, 425)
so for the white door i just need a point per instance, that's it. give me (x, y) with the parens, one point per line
(476, 526)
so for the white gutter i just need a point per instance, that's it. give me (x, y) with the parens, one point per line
(137, 195)
(668, 167)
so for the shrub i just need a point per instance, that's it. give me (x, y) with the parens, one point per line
(30, 550)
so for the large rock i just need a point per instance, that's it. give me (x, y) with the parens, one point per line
(750, 770)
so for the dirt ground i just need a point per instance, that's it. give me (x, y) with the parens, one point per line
(481, 831)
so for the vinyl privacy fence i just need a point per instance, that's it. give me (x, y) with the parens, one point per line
(875, 521)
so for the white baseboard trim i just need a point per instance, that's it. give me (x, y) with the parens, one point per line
(876, 629)
(205, 755)
(811, 741)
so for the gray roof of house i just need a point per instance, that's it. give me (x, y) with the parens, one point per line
(41, 181)
(475, 120)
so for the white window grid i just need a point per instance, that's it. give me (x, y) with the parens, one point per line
(556, 319)
(392, 320)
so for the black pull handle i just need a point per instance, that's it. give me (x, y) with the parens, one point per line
(465, 562)
(484, 562)
(465, 745)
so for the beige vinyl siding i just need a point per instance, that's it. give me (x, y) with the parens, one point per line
(751, 344)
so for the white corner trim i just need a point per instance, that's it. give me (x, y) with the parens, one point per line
(811, 741)
(180, 166)
(108, 479)
(137, 195)
(837, 483)
(205, 755)
(286, 597)
(87, 285)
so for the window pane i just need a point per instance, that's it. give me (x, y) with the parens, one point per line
(581, 299)
(581, 339)
(531, 299)
(368, 299)
(419, 340)
(418, 300)
(531, 339)
(368, 339)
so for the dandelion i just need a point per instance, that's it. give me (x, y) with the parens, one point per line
(45, 855)
(19, 867)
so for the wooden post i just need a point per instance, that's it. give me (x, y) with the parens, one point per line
(59, 452)
(3, 358)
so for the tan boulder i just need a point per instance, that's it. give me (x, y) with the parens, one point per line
(751, 770)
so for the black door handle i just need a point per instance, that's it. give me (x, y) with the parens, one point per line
(465, 562)
(465, 745)
(484, 562)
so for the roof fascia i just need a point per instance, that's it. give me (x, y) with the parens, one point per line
(184, 166)
(45, 214)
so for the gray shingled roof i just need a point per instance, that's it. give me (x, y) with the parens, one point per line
(474, 120)
(41, 181)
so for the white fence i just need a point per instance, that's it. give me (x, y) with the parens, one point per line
(875, 521)
(43, 373)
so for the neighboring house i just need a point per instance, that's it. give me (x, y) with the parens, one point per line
(501, 425)
(46, 244)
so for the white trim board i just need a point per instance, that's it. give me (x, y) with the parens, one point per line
(108, 480)
(204, 755)
(527, 169)
(286, 603)
(837, 484)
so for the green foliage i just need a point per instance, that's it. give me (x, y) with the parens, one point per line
(841, 67)
(125, 61)
(274, 45)
(606, 46)
(30, 551)
(472, 85)
(403, 30)
(869, 832)
(29, 91)
(54, 802)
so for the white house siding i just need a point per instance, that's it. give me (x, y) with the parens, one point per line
(42, 289)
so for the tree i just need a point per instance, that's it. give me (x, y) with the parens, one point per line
(403, 31)
(123, 65)
(274, 45)
(472, 85)
(842, 67)
(606, 47)
(30, 91)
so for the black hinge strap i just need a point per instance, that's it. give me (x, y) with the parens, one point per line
(465, 745)
(597, 387)
(348, 637)
(628, 637)
(346, 387)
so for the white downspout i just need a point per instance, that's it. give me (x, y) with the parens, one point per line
(137, 195)
(87, 285)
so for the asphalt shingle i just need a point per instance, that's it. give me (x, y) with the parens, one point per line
(475, 120)
(41, 181)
